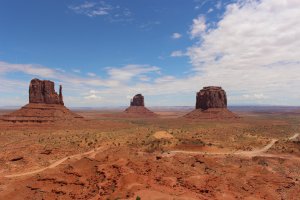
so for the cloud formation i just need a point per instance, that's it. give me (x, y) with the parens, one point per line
(253, 52)
(199, 27)
(177, 54)
(254, 49)
(176, 36)
(93, 8)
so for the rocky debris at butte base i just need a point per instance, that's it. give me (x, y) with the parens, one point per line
(137, 108)
(45, 106)
(211, 103)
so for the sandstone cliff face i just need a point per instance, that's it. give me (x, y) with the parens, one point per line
(137, 100)
(211, 97)
(44, 92)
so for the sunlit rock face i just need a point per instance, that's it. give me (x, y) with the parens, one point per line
(42, 91)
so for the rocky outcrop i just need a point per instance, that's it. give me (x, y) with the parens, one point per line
(211, 103)
(45, 106)
(137, 100)
(137, 108)
(41, 113)
(44, 92)
(211, 97)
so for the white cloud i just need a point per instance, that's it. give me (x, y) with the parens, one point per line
(254, 49)
(92, 96)
(30, 69)
(199, 27)
(177, 54)
(254, 96)
(60, 69)
(144, 78)
(92, 9)
(127, 72)
(113, 13)
(253, 52)
(219, 4)
(176, 35)
(91, 74)
(149, 25)
(76, 70)
(210, 10)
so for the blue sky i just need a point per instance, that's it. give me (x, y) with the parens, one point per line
(104, 52)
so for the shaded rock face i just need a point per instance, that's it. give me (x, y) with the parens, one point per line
(211, 97)
(137, 100)
(43, 92)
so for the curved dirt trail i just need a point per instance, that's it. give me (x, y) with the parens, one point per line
(92, 153)
(294, 136)
(242, 153)
(258, 152)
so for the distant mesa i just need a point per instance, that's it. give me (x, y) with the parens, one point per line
(211, 97)
(211, 102)
(45, 106)
(137, 100)
(137, 108)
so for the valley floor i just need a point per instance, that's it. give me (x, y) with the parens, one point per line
(110, 157)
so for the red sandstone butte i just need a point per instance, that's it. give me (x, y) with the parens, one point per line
(137, 100)
(211, 97)
(44, 92)
(211, 103)
(45, 106)
(137, 108)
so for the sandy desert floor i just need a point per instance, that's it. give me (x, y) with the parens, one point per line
(110, 157)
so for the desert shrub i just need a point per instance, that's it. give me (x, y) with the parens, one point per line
(197, 142)
(156, 145)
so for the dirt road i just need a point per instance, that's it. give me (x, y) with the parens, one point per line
(91, 153)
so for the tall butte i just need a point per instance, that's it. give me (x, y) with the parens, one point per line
(137, 108)
(45, 106)
(211, 103)
(43, 92)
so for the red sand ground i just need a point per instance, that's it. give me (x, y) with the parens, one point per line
(253, 157)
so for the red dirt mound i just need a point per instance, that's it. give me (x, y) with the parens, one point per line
(211, 113)
(41, 113)
(139, 111)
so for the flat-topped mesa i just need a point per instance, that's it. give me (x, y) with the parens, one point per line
(42, 91)
(211, 97)
(137, 100)
(211, 103)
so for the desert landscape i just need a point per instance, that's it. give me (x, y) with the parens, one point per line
(150, 100)
(50, 152)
